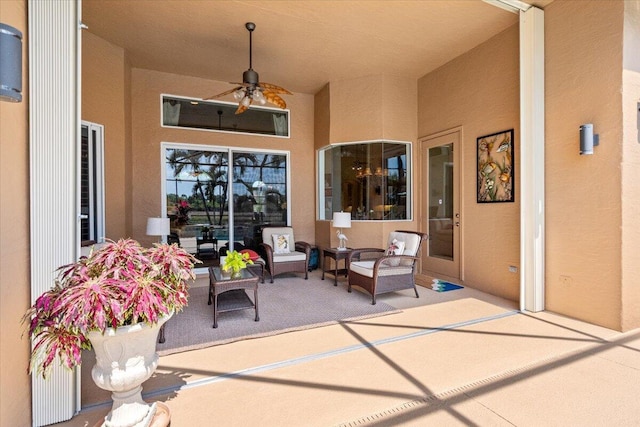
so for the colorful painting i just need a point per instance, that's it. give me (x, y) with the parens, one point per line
(495, 167)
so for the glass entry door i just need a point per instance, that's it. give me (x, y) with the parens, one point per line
(440, 205)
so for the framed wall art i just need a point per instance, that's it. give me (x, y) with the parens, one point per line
(495, 167)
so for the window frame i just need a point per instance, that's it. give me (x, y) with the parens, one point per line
(230, 151)
(323, 192)
(227, 104)
(96, 214)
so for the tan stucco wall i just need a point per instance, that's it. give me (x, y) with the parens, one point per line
(630, 167)
(377, 107)
(103, 102)
(147, 135)
(480, 92)
(15, 389)
(373, 107)
(322, 117)
(583, 66)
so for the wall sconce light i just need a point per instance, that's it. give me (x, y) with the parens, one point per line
(10, 64)
(587, 139)
(158, 227)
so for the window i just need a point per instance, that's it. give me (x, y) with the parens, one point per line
(221, 116)
(370, 180)
(91, 184)
(204, 207)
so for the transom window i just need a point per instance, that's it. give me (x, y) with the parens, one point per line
(219, 116)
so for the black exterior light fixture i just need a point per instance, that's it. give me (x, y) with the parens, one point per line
(10, 64)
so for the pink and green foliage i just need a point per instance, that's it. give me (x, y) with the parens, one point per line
(120, 284)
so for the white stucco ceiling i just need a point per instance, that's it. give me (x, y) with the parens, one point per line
(300, 45)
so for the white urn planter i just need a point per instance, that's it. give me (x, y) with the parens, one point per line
(125, 358)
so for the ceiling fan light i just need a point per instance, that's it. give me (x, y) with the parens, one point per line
(259, 96)
(238, 94)
(251, 89)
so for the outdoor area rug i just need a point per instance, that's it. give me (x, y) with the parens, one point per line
(289, 304)
(441, 286)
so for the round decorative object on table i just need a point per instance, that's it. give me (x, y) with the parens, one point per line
(125, 358)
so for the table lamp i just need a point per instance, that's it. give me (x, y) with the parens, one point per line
(342, 220)
(158, 227)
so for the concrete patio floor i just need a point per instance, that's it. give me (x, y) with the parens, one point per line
(471, 359)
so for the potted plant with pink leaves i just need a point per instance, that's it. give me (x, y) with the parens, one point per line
(114, 301)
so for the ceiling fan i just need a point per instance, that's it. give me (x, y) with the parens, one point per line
(252, 89)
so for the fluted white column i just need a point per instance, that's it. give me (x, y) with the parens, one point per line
(54, 129)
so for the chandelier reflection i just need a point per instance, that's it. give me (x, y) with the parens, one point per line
(364, 171)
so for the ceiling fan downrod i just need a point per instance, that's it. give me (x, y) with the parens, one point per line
(250, 76)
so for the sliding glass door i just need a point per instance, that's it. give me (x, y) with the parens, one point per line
(259, 195)
(209, 216)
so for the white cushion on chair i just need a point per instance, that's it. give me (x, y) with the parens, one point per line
(291, 256)
(365, 268)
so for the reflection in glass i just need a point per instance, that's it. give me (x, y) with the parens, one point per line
(441, 201)
(197, 198)
(221, 116)
(369, 180)
(259, 195)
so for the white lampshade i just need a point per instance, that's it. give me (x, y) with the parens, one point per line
(342, 220)
(158, 227)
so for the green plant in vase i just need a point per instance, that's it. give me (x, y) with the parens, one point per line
(234, 262)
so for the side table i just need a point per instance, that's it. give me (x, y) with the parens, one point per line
(336, 255)
(228, 294)
(206, 240)
(257, 268)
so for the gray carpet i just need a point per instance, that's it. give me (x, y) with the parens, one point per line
(289, 304)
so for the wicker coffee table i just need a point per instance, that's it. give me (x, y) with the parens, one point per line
(228, 294)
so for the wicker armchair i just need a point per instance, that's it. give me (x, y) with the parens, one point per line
(377, 271)
(282, 253)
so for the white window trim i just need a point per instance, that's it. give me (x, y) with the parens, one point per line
(320, 178)
(98, 186)
(253, 107)
(230, 151)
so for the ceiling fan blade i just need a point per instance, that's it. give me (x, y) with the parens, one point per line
(274, 88)
(274, 99)
(225, 93)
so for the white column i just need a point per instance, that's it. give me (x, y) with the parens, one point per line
(54, 134)
(532, 183)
